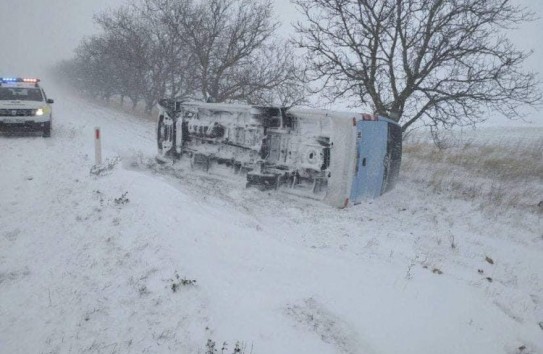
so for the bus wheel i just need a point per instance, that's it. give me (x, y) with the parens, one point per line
(166, 136)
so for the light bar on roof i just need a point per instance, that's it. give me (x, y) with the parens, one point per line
(19, 79)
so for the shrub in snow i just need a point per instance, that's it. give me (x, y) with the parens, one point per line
(210, 347)
(180, 282)
(122, 199)
(239, 347)
(105, 167)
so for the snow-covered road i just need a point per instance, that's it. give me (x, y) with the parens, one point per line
(105, 264)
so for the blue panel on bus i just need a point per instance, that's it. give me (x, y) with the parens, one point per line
(371, 151)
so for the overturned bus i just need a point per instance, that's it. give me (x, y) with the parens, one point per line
(337, 157)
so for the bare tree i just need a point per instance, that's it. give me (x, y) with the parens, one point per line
(92, 71)
(279, 77)
(229, 39)
(129, 47)
(216, 50)
(164, 17)
(444, 62)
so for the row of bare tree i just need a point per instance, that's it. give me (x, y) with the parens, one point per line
(214, 50)
(442, 62)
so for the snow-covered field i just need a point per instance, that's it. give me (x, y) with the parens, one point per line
(156, 259)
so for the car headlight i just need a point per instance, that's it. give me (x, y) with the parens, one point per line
(41, 111)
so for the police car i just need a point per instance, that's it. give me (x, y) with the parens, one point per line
(24, 106)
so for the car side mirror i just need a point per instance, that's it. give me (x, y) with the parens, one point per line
(50, 100)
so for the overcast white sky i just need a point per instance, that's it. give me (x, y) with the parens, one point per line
(36, 33)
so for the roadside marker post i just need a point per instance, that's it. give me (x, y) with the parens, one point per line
(97, 146)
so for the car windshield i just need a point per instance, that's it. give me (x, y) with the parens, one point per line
(20, 93)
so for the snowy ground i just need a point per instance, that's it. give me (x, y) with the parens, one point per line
(107, 264)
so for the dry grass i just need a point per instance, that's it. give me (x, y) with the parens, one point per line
(509, 163)
(509, 174)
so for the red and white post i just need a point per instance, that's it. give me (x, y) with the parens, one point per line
(97, 146)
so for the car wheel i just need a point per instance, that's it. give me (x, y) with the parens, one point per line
(47, 130)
